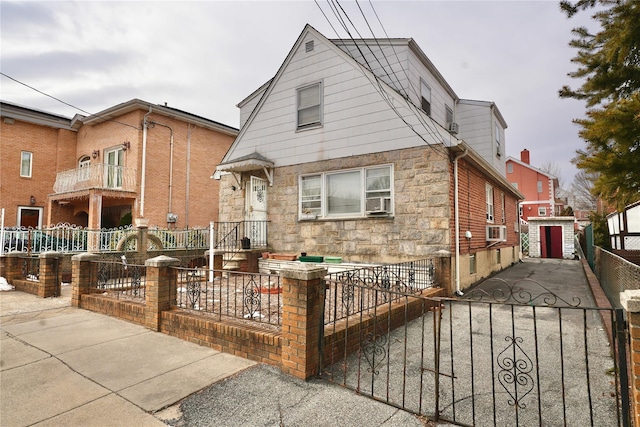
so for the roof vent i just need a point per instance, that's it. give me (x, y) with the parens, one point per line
(308, 47)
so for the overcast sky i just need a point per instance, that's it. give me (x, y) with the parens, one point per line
(204, 57)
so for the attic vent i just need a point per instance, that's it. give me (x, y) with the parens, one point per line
(308, 47)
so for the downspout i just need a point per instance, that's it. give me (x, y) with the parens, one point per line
(170, 206)
(188, 169)
(144, 162)
(457, 217)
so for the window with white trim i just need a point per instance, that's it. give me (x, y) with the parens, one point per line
(498, 144)
(84, 173)
(448, 115)
(503, 206)
(343, 194)
(26, 164)
(309, 104)
(425, 97)
(542, 211)
(509, 167)
(539, 186)
(490, 210)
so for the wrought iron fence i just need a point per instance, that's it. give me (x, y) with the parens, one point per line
(354, 291)
(121, 280)
(31, 268)
(251, 297)
(615, 274)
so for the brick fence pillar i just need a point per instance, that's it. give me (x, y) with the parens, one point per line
(630, 301)
(160, 288)
(13, 266)
(50, 275)
(302, 305)
(83, 270)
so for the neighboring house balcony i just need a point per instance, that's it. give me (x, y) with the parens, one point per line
(99, 176)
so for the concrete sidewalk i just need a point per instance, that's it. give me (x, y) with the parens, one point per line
(65, 366)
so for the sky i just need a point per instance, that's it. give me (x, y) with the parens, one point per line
(204, 57)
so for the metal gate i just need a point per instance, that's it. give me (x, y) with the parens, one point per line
(505, 354)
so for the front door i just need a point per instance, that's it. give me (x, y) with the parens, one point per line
(551, 241)
(30, 217)
(257, 211)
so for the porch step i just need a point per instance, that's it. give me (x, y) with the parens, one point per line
(231, 260)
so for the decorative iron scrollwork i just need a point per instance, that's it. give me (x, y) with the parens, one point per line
(515, 372)
(252, 300)
(374, 349)
(136, 277)
(524, 292)
(193, 290)
(103, 276)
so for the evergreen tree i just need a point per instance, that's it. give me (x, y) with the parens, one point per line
(609, 66)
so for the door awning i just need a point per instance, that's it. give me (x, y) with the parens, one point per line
(250, 162)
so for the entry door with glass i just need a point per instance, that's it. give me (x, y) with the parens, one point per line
(257, 211)
(114, 163)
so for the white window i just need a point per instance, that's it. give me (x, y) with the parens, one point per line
(346, 193)
(503, 206)
(510, 168)
(498, 147)
(84, 173)
(542, 211)
(425, 97)
(309, 106)
(539, 186)
(26, 164)
(449, 115)
(515, 185)
(114, 163)
(489, 203)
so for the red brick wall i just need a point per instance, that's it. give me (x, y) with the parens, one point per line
(472, 210)
(51, 148)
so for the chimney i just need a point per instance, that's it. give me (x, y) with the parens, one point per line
(524, 156)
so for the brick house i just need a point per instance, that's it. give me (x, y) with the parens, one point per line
(134, 160)
(540, 188)
(342, 162)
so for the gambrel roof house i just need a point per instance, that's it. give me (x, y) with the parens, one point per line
(358, 149)
(135, 160)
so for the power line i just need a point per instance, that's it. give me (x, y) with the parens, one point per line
(66, 103)
(377, 83)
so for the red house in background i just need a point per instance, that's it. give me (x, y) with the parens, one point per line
(538, 187)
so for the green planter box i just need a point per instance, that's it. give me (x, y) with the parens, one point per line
(333, 259)
(310, 258)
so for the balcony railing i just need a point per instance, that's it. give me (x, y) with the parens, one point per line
(96, 176)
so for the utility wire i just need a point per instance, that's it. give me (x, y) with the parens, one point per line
(66, 103)
(377, 83)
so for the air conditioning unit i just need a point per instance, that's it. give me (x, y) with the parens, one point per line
(496, 233)
(172, 218)
(453, 127)
(378, 205)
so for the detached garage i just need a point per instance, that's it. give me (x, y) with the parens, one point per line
(552, 237)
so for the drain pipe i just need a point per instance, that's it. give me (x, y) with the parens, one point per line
(170, 207)
(457, 218)
(145, 126)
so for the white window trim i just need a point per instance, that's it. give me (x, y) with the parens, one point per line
(30, 208)
(542, 211)
(22, 153)
(423, 83)
(498, 140)
(503, 205)
(363, 196)
(489, 203)
(320, 104)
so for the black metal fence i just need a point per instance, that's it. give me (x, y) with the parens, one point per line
(507, 356)
(249, 297)
(31, 268)
(355, 291)
(121, 280)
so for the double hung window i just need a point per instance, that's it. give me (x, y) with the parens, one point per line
(490, 211)
(309, 104)
(425, 97)
(339, 194)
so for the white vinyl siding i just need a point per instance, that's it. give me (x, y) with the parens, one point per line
(356, 120)
(26, 164)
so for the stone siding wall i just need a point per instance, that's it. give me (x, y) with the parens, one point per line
(418, 229)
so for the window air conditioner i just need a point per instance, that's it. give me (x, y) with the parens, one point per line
(453, 127)
(378, 205)
(496, 233)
